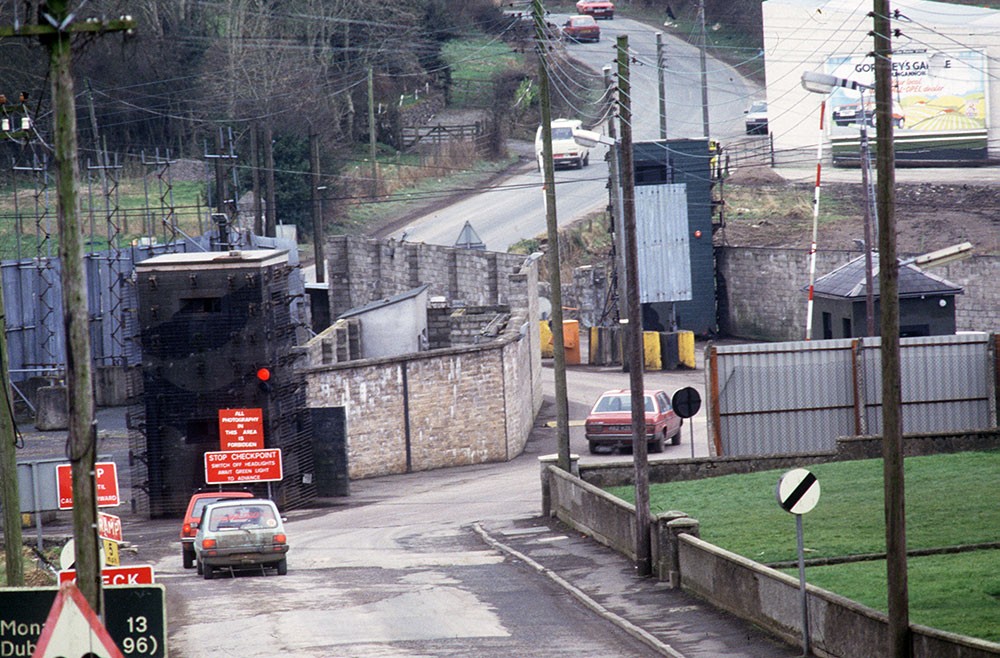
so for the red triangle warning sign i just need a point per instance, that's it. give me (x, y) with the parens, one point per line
(73, 629)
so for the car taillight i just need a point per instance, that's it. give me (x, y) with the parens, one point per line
(186, 530)
(650, 429)
(208, 543)
(279, 538)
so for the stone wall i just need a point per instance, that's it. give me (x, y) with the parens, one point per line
(761, 292)
(451, 406)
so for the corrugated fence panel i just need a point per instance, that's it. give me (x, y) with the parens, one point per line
(798, 397)
(661, 213)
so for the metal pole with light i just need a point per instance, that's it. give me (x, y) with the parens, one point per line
(823, 83)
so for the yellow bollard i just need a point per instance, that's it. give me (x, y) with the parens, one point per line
(685, 348)
(651, 356)
(545, 336)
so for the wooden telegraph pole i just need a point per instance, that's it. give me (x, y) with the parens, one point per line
(56, 33)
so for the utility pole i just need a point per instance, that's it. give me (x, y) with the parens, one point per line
(82, 442)
(12, 128)
(892, 421)
(660, 59)
(317, 207)
(704, 71)
(643, 550)
(270, 221)
(258, 217)
(552, 225)
(615, 189)
(371, 130)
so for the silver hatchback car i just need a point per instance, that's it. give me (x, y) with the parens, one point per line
(239, 534)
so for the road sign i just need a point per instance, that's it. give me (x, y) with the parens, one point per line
(133, 574)
(67, 556)
(243, 466)
(106, 475)
(798, 491)
(109, 527)
(71, 626)
(686, 402)
(111, 552)
(241, 429)
(134, 617)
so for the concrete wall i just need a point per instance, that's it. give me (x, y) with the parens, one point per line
(761, 290)
(839, 627)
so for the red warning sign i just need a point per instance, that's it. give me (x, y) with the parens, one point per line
(138, 574)
(106, 474)
(243, 466)
(241, 429)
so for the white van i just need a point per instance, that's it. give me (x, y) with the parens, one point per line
(565, 150)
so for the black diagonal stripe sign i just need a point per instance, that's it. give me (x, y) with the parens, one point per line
(798, 491)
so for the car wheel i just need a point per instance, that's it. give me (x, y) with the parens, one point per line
(593, 448)
(657, 445)
(201, 570)
(675, 440)
(208, 572)
(188, 558)
(586, 160)
(283, 567)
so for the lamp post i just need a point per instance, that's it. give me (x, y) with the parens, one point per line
(823, 83)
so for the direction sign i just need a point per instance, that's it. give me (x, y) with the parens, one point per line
(241, 429)
(134, 616)
(243, 466)
(106, 475)
(133, 574)
(798, 491)
(686, 402)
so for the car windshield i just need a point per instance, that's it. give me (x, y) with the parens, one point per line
(242, 517)
(612, 403)
(562, 133)
(759, 106)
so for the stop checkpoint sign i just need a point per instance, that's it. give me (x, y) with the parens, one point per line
(798, 491)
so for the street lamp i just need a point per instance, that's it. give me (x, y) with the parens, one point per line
(824, 83)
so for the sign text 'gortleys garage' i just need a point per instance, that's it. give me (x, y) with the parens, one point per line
(243, 466)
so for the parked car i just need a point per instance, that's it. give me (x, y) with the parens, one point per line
(581, 28)
(596, 8)
(756, 118)
(239, 534)
(192, 517)
(565, 150)
(609, 424)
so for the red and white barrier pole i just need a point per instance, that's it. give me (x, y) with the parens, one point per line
(812, 246)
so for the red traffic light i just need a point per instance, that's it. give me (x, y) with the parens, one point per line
(263, 374)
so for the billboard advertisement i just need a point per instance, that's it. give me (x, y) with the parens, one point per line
(939, 110)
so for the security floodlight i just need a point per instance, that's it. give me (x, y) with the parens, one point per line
(824, 83)
(944, 256)
(590, 139)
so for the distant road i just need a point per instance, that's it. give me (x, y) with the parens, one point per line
(514, 208)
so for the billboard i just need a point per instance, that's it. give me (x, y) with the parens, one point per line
(939, 110)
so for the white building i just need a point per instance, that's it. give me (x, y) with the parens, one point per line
(944, 57)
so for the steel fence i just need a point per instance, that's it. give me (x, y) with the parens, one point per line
(799, 397)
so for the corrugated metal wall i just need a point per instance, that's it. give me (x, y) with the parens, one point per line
(798, 397)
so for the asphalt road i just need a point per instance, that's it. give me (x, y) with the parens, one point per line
(514, 209)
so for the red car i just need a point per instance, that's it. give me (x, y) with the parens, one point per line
(192, 517)
(581, 28)
(596, 8)
(609, 424)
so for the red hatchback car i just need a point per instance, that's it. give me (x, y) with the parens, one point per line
(596, 8)
(609, 424)
(192, 517)
(581, 28)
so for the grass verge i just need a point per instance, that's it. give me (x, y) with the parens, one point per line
(950, 502)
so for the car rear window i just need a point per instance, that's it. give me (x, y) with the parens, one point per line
(234, 517)
(612, 403)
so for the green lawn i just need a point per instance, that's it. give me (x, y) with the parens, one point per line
(951, 500)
